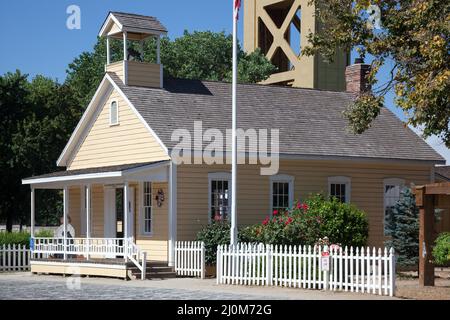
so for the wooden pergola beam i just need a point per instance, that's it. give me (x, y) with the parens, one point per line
(425, 203)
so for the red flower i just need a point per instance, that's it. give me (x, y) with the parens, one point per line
(299, 205)
(266, 221)
(305, 207)
(275, 212)
(288, 221)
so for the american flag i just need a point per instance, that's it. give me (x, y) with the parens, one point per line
(237, 6)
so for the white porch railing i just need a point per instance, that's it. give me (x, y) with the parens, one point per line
(106, 247)
(190, 258)
(98, 247)
(347, 269)
(14, 258)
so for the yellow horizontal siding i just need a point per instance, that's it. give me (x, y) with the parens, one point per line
(128, 142)
(144, 74)
(75, 209)
(155, 245)
(310, 177)
(117, 68)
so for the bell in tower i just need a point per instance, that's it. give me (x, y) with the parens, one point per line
(132, 69)
(280, 28)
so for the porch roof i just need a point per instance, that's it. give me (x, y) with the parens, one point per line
(94, 173)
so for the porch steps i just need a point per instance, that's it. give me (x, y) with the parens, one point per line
(155, 270)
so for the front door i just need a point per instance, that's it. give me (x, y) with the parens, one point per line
(114, 217)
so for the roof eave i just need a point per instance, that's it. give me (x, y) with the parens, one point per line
(93, 176)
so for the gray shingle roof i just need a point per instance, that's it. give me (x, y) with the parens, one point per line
(138, 21)
(443, 171)
(310, 121)
(116, 168)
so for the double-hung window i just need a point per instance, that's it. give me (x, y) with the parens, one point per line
(392, 188)
(219, 196)
(281, 192)
(147, 214)
(339, 188)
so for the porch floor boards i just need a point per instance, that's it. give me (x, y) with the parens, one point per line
(115, 261)
(109, 261)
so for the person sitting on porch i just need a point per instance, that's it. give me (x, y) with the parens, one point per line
(59, 233)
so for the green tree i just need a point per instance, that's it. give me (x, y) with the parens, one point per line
(14, 105)
(199, 55)
(36, 121)
(414, 35)
(402, 226)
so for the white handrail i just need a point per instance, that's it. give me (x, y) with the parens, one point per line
(137, 256)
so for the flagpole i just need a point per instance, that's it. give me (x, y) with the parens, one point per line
(234, 138)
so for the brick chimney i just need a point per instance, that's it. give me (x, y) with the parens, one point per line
(355, 76)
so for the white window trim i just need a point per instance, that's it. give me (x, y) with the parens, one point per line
(142, 212)
(117, 113)
(217, 176)
(284, 178)
(341, 180)
(390, 182)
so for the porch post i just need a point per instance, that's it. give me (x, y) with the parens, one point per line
(125, 46)
(66, 210)
(32, 222)
(125, 219)
(88, 218)
(108, 51)
(172, 212)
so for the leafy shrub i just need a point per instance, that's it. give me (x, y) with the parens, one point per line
(402, 225)
(22, 238)
(342, 223)
(441, 250)
(214, 234)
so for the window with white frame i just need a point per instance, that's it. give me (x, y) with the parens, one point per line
(147, 216)
(281, 192)
(114, 113)
(392, 188)
(219, 196)
(339, 188)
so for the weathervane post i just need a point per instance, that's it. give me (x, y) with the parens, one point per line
(236, 7)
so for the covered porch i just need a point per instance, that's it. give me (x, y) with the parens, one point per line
(113, 212)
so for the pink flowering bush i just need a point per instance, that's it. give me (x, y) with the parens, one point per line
(306, 222)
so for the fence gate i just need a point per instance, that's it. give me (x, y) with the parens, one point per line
(190, 258)
(348, 269)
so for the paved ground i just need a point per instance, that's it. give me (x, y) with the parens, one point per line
(27, 286)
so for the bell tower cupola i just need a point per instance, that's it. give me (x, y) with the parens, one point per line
(132, 30)
(280, 28)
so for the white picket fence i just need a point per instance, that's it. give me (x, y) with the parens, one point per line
(14, 258)
(190, 258)
(356, 270)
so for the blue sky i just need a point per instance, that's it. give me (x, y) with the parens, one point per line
(35, 39)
